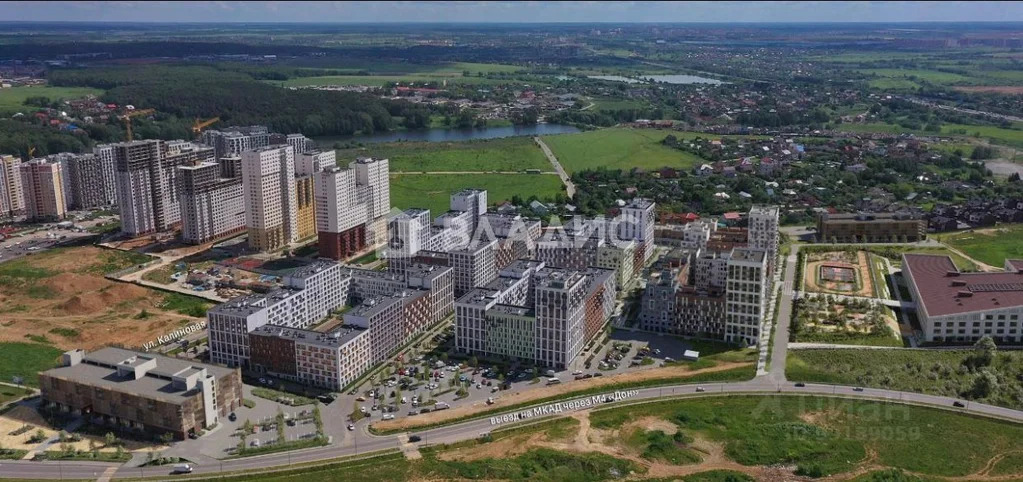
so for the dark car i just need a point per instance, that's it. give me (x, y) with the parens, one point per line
(232, 417)
(598, 374)
(326, 399)
(958, 404)
(414, 438)
(192, 435)
(800, 384)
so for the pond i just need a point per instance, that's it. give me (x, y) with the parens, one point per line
(452, 135)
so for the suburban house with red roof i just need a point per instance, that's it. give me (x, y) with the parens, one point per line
(963, 307)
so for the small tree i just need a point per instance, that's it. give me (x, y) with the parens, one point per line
(474, 362)
(119, 453)
(93, 448)
(167, 438)
(110, 439)
(247, 428)
(281, 438)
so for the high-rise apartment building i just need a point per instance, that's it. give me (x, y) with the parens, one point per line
(746, 295)
(473, 201)
(311, 162)
(341, 217)
(147, 187)
(42, 182)
(211, 206)
(763, 230)
(374, 187)
(233, 141)
(92, 180)
(299, 143)
(305, 196)
(268, 182)
(12, 197)
(637, 224)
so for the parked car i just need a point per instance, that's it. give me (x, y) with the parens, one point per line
(414, 438)
(351, 426)
(232, 417)
(182, 469)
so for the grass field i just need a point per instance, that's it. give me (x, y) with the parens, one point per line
(391, 72)
(433, 191)
(894, 253)
(932, 76)
(617, 148)
(936, 372)
(828, 436)
(505, 154)
(26, 360)
(13, 99)
(992, 245)
(998, 135)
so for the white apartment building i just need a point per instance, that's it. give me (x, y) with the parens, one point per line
(473, 201)
(408, 233)
(299, 143)
(763, 230)
(746, 295)
(324, 360)
(12, 197)
(341, 216)
(382, 317)
(637, 224)
(326, 285)
(92, 180)
(310, 162)
(42, 183)
(621, 259)
(474, 266)
(559, 308)
(374, 185)
(211, 206)
(271, 204)
(229, 323)
(964, 307)
(235, 140)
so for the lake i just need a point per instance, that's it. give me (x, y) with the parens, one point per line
(452, 135)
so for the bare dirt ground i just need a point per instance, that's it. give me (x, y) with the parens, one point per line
(78, 298)
(861, 265)
(1000, 89)
(517, 397)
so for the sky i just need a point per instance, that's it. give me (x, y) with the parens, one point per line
(511, 11)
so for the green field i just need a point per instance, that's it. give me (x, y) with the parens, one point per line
(505, 154)
(936, 372)
(932, 76)
(389, 73)
(998, 135)
(186, 305)
(26, 360)
(822, 436)
(433, 191)
(13, 99)
(992, 246)
(617, 148)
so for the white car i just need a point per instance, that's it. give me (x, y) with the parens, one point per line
(351, 426)
(388, 416)
(577, 372)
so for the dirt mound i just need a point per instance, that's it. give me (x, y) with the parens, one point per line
(71, 283)
(121, 292)
(83, 304)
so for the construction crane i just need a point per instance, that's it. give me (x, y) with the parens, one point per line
(200, 125)
(31, 150)
(135, 113)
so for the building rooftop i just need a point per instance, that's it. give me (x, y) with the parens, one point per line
(944, 290)
(337, 338)
(373, 306)
(480, 297)
(248, 304)
(316, 267)
(557, 278)
(749, 254)
(639, 203)
(512, 310)
(870, 217)
(99, 369)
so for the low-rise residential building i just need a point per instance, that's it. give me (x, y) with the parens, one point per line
(870, 228)
(147, 392)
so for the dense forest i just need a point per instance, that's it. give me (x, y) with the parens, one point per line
(202, 91)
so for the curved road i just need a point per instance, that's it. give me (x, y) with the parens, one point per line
(362, 442)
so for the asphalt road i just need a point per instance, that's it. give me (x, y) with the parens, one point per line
(365, 442)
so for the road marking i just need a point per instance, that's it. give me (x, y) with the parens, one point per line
(107, 474)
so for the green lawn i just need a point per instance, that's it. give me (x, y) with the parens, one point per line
(505, 154)
(935, 372)
(991, 247)
(186, 305)
(433, 191)
(998, 135)
(13, 99)
(8, 393)
(617, 148)
(26, 360)
(823, 436)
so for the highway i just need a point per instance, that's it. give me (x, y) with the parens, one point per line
(361, 442)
